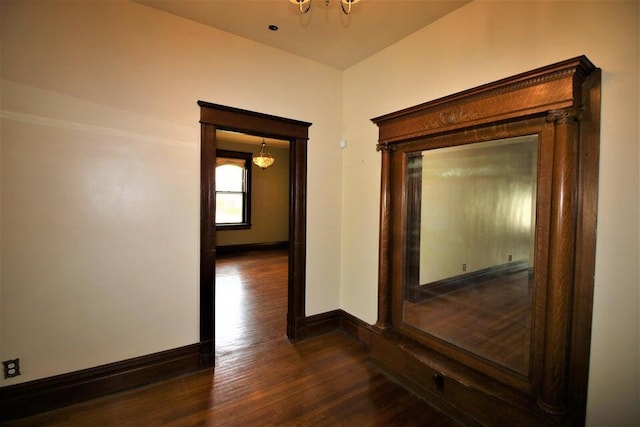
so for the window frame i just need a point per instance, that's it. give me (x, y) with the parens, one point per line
(246, 211)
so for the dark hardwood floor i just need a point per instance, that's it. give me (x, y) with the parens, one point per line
(260, 378)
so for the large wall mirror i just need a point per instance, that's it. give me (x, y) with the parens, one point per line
(471, 246)
(487, 246)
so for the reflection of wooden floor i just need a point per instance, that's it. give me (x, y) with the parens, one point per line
(491, 319)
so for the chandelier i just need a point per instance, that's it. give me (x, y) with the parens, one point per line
(263, 159)
(305, 5)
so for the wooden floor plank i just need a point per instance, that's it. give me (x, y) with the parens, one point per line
(260, 378)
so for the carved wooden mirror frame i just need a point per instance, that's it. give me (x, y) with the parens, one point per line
(561, 103)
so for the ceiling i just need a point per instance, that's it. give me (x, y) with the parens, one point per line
(324, 34)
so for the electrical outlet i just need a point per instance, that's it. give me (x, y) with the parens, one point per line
(11, 368)
(464, 267)
(510, 257)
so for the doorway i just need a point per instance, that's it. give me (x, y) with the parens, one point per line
(215, 117)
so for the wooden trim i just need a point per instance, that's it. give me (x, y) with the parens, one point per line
(560, 103)
(550, 86)
(297, 239)
(384, 239)
(330, 321)
(356, 328)
(323, 323)
(585, 243)
(231, 227)
(251, 122)
(21, 400)
(441, 287)
(554, 394)
(250, 247)
(207, 232)
(213, 117)
(417, 368)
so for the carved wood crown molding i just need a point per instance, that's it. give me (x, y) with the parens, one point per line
(457, 113)
(532, 93)
(534, 81)
(453, 116)
(565, 116)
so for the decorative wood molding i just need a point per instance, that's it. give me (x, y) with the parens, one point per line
(384, 241)
(251, 122)
(21, 400)
(500, 100)
(455, 115)
(385, 146)
(560, 104)
(428, 374)
(213, 117)
(564, 116)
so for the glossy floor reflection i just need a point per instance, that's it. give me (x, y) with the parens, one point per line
(260, 378)
(491, 319)
(251, 299)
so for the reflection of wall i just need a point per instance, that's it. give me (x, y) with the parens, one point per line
(269, 202)
(476, 207)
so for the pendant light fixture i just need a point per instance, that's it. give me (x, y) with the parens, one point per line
(263, 159)
(305, 5)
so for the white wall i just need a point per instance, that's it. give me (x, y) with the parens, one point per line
(483, 42)
(100, 175)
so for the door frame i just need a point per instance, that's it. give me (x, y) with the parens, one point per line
(219, 117)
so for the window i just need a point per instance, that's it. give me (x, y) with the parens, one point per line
(233, 190)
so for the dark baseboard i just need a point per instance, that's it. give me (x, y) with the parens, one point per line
(322, 323)
(330, 321)
(442, 287)
(356, 328)
(22, 400)
(249, 247)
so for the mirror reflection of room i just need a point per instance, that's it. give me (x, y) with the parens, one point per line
(470, 234)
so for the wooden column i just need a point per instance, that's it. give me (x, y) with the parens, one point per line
(208, 243)
(384, 247)
(296, 320)
(553, 392)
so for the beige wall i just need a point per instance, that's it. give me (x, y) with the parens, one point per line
(269, 201)
(479, 43)
(100, 175)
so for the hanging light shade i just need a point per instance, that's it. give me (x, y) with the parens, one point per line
(263, 159)
(305, 5)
